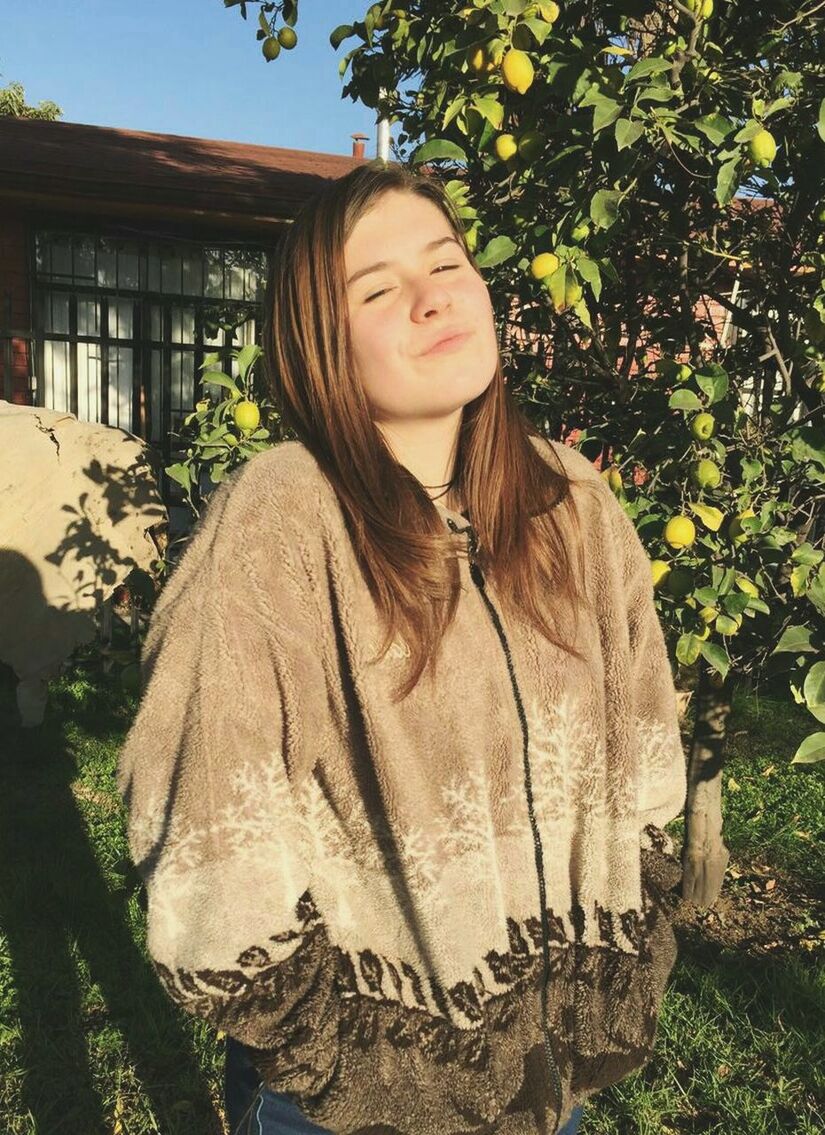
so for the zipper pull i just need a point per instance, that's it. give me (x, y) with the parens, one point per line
(472, 552)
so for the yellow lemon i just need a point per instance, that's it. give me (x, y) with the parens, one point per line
(478, 59)
(246, 416)
(680, 532)
(517, 70)
(287, 37)
(659, 570)
(702, 426)
(549, 12)
(271, 48)
(762, 147)
(545, 264)
(505, 146)
(706, 474)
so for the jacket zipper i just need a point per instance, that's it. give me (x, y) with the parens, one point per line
(478, 579)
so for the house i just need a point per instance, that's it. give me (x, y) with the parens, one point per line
(126, 256)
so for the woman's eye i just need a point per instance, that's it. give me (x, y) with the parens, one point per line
(440, 268)
(375, 295)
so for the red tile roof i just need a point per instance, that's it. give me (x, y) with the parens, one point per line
(75, 167)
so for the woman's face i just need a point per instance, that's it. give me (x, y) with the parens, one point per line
(401, 308)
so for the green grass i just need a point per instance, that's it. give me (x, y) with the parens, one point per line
(84, 1023)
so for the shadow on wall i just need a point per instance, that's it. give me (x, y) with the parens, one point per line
(80, 503)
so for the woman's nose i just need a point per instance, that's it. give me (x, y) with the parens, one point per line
(431, 296)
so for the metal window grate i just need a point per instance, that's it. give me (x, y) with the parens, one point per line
(122, 325)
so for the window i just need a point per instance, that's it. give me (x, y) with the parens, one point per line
(122, 325)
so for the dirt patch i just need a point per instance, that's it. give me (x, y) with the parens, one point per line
(761, 911)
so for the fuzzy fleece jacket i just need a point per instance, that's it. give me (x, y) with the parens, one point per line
(442, 917)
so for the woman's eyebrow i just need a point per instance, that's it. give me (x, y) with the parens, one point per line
(386, 263)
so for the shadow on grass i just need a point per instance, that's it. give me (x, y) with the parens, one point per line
(769, 1012)
(56, 912)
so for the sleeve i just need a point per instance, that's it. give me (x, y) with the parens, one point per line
(208, 775)
(662, 783)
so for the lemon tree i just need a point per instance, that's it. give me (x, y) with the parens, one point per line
(643, 187)
(222, 432)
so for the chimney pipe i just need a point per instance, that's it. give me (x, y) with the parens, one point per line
(358, 141)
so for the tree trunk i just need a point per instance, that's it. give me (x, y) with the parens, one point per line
(705, 856)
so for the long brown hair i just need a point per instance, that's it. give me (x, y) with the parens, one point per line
(514, 495)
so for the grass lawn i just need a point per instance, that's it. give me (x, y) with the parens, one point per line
(89, 1043)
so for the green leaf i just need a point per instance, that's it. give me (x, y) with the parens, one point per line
(751, 469)
(246, 357)
(808, 444)
(811, 750)
(654, 65)
(344, 63)
(712, 380)
(816, 592)
(795, 640)
(339, 34)
(604, 208)
(557, 285)
(711, 517)
(657, 92)
(539, 28)
(499, 249)
(221, 379)
(605, 111)
(715, 127)
(727, 181)
(821, 121)
(583, 313)
(627, 133)
(777, 104)
(180, 473)
(747, 132)
(684, 400)
(491, 108)
(458, 104)
(438, 148)
(725, 625)
(589, 271)
(688, 648)
(716, 656)
(806, 553)
(814, 689)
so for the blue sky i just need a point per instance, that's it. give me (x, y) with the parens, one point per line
(186, 67)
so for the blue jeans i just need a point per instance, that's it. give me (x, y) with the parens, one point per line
(253, 1109)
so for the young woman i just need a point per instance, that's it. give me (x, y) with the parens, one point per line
(408, 737)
